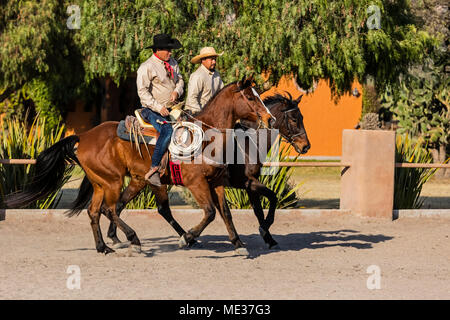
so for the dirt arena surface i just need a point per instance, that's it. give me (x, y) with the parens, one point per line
(324, 257)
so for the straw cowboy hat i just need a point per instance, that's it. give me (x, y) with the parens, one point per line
(205, 52)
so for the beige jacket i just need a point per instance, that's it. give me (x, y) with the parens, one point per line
(155, 86)
(203, 84)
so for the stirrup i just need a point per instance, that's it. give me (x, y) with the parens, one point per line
(151, 172)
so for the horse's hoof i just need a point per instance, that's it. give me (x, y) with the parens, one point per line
(182, 243)
(195, 245)
(242, 251)
(121, 245)
(274, 247)
(108, 250)
(136, 248)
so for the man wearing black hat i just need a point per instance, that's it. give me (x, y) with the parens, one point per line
(159, 84)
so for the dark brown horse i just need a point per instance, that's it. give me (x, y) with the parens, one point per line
(289, 122)
(245, 176)
(107, 159)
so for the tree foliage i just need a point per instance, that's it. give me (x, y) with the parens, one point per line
(420, 100)
(421, 104)
(38, 56)
(308, 40)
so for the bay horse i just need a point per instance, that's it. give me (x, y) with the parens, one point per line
(106, 160)
(289, 122)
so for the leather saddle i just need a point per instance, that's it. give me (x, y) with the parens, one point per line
(147, 129)
(137, 128)
(149, 133)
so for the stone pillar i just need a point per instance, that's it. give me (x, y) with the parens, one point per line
(367, 186)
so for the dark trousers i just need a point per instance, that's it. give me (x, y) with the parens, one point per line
(165, 133)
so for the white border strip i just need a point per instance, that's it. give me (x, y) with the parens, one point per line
(422, 213)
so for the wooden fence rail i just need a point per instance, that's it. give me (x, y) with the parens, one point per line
(17, 161)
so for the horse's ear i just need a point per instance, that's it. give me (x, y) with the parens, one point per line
(244, 83)
(240, 83)
(297, 101)
(289, 95)
(251, 78)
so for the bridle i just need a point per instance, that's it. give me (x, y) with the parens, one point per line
(260, 122)
(291, 134)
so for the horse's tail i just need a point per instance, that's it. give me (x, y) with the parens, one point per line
(49, 173)
(83, 198)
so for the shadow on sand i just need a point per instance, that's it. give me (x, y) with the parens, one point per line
(288, 242)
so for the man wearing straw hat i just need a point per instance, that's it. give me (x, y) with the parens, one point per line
(205, 81)
(159, 85)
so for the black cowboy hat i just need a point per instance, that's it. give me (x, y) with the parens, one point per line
(164, 41)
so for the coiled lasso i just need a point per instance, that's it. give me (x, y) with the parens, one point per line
(179, 147)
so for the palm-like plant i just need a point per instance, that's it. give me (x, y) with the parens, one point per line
(409, 181)
(19, 141)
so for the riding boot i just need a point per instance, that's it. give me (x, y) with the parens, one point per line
(152, 176)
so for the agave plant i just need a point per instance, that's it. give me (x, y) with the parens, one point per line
(145, 199)
(19, 141)
(277, 181)
(409, 181)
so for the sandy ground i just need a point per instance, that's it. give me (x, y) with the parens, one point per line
(324, 257)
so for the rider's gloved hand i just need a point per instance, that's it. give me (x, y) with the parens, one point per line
(164, 112)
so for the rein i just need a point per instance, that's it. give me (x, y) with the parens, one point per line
(260, 123)
(204, 123)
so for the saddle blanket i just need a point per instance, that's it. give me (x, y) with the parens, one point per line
(123, 133)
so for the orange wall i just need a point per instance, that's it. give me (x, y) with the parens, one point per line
(323, 119)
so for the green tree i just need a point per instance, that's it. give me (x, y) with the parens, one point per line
(420, 100)
(38, 61)
(308, 40)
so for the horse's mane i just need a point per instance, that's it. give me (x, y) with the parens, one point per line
(270, 102)
(245, 84)
(278, 98)
(211, 99)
